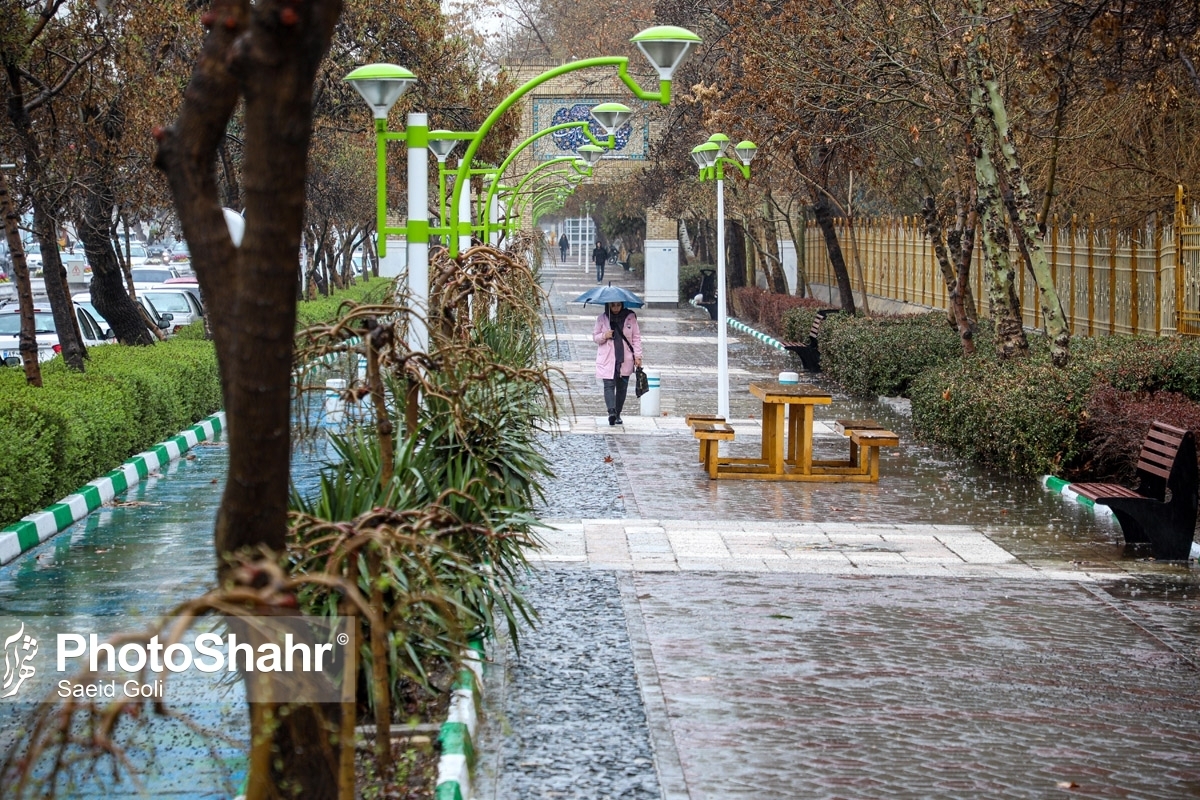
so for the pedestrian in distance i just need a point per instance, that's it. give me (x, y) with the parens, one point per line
(619, 350)
(599, 256)
(564, 244)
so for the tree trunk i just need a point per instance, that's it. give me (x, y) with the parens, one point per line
(1002, 296)
(823, 212)
(1023, 216)
(933, 228)
(267, 53)
(107, 287)
(735, 255)
(27, 341)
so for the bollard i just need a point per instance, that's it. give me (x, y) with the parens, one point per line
(650, 399)
(335, 404)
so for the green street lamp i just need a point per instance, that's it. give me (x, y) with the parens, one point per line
(710, 158)
(665, 46)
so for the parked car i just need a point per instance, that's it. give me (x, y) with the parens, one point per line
(191, 284)
(45, 330)
(157, 253)
(149, 277)
(179, 253)
(178, 302)
(161, 321)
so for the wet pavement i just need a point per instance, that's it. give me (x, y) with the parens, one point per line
(943, 633)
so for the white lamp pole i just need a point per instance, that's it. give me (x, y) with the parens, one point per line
(418, 229)
(710, 158)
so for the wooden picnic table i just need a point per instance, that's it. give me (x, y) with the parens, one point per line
(787, 441)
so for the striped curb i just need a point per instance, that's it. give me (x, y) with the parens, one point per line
(457, 735)
(738, 325)
(1063, 487)
(33, 529)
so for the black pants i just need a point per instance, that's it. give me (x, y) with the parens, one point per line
(563, 250)
(614, 395)
(600, 272)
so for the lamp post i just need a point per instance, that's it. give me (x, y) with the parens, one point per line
(710, 158)
(665, 46)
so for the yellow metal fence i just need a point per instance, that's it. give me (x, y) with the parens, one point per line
(1109, 281)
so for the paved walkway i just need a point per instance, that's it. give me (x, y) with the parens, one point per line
(943, 633)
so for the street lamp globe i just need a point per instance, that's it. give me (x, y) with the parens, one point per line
(441, 148)
(709, 152)
(381, 85)
(665, 46)
(611, 116)
(721, 141)
(746, 151)
(590, 153)
(698, 157)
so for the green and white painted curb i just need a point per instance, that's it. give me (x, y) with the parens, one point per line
(35, 528)
(738, 325)
(457, 735)
(1063, 487)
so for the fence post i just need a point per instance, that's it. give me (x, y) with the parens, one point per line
(1158, 273)
(1074, 301)
(1091, 274)
(1134, 317)
(1180, 218)
(1112, 276)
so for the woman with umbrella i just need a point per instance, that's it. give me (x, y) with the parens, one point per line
(619, 350)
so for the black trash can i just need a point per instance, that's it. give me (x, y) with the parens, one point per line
(708, 291)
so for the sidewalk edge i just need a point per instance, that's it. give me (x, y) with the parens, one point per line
(33, 529)
(457, 736)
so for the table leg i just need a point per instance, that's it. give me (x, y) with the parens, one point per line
(776, 433)
(805, 445)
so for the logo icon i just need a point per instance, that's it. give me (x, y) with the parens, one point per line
(19, 650)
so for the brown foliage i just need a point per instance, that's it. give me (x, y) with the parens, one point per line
(765, 310)
(1116, 422)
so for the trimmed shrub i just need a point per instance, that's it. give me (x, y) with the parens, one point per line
(765, 310)
(1114, 425)
(323, 309)
(690, 280)
(79, 426)
(1020, 417)
(637, 264)
(193, 330)
(881, 355)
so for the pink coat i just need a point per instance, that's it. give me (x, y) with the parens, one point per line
(606, 352)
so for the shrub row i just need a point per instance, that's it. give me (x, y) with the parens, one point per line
(881, 355)
(76, 427)
(324, 309)
(768, 311)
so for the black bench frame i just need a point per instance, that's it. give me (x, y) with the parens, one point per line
(1162, 510)
(810, 356)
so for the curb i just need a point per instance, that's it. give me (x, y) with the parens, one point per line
(33, 529)
(458, 731)
(738, 325)
(1056, 484)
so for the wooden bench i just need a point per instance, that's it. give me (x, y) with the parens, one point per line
(869, 442)
(848, 426)
(711, 432)
(810, 356)
(1162, 510)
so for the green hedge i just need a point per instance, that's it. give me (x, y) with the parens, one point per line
(881, 355)
(76, 427)
(325, 309)
(690, 280)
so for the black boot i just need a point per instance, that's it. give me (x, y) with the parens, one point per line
(612, 417)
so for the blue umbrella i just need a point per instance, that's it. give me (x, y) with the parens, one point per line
(602, 295)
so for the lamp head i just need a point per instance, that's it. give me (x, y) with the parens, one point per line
(381, 85)
(709, 152)
(746, 151)
(441, 148)
(590, 153)
(666, 46)
(697, 157)
(611, 116)
(721, 141)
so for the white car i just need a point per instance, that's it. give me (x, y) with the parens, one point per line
(45, 330)
(163, 321)
(150, 277)
(180, 303)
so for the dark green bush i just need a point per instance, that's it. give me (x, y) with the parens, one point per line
(797, 322)
(194, 330)
(1020, 417)
(323, 309)
(78, 426)
(881, 355)
(637, 264)
(690, 280)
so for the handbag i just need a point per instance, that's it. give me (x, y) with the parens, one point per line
(641, 383)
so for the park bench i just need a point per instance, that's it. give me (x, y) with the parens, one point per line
(1162, 510)
(810, 356)
(711, 431)
(847, 426)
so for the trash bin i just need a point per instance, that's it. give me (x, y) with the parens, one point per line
(335, 405)
(708, 292)
(650, 400)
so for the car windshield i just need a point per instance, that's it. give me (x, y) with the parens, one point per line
(170, 302)
(152, 275)
(10, 324)
(137, 251)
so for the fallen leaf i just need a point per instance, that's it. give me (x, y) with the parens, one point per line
(1067, 785)
(608, 459)
(780, 616)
